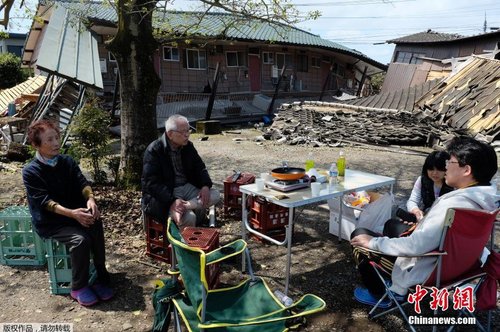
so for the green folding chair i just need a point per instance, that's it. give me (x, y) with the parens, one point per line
(248, 306)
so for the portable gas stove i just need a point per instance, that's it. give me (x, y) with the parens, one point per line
(288, 185)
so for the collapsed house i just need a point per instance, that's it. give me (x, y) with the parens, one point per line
(466, 102)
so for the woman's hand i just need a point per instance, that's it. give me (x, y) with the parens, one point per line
(92, 206)
(83, 216)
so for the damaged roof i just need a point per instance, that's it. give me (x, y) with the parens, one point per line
(468, 99)
(401, 100)
(31, 85)
(219, 25)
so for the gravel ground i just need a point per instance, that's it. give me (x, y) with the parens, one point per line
(320, 265)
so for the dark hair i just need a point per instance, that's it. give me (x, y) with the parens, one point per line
(435, 160)
(481, 158)
(38, 127)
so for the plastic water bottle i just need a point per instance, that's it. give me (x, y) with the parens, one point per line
(309, 162)
(341, 164)
(283, 298)
(333, 172)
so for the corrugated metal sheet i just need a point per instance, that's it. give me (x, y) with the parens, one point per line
(469, 99)
(399, 76)
(70, 50)
(402, 100)
(31, 85)
(216, 25)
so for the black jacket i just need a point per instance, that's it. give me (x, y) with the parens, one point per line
(158, 174)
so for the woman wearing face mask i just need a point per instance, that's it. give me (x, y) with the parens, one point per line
(63, 208)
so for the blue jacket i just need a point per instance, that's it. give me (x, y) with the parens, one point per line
(158, 176)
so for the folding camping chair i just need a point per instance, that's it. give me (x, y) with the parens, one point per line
(248, 306)
(465, 235)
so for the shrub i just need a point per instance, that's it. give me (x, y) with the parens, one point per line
(90, 127)
(10, 71)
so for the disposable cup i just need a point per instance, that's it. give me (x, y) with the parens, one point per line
(315, 188)
(260, 184)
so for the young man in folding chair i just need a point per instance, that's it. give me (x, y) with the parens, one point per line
(470, 169)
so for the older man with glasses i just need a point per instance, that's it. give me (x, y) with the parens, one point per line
(175, 179)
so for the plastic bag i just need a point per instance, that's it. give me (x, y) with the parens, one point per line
(358, 199)
(375, 214)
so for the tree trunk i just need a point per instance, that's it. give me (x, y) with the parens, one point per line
(134, 47)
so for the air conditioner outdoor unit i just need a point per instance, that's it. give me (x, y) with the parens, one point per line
(274, 71)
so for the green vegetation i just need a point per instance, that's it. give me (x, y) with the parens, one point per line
(11, 73)
(90, 128)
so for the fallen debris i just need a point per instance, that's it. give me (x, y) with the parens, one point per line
(320, 123)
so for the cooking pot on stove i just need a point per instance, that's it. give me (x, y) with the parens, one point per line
(288, 173)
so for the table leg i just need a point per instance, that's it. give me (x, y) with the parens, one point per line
(340, 218)
(244, 219)
(289, 234)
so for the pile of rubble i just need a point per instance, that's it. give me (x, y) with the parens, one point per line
(320, 123)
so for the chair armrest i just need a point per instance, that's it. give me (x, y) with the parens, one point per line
(434, 253)
(229, 250)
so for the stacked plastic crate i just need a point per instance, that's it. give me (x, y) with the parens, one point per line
(232, 194)
(268, 218)
(59, 263)
(207, 239)
(19, 243)
(157, 245)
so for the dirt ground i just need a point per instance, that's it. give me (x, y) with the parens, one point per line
(320, 265)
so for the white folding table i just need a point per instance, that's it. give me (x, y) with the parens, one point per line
(353, 181)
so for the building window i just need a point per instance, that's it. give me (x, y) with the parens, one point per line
(326, 58)
(267, 58)
(340, 70)
(283, 59)
(236, 59)
(302, 63)
(409, 57)
(17, 50)
(315, 62)
(111, 57)
(170, 53)
(196, 59)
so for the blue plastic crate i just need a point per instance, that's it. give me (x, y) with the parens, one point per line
(59, 264)
(19, 243)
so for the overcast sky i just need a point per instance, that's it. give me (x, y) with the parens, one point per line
(362, 24)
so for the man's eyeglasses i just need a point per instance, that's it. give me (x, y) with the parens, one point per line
(447, 162)
(184, 132)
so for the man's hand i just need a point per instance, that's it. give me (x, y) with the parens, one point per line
(361, 240)
(177, 209)
(418, 213)
(204, 196)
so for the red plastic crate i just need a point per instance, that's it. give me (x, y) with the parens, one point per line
(207, 239)
(157, 245)
(232, 194)
(267, 216)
